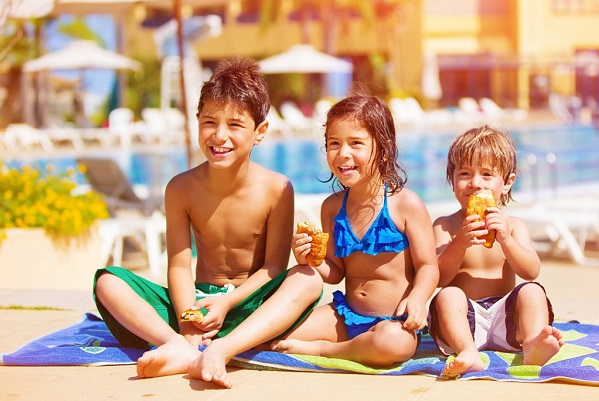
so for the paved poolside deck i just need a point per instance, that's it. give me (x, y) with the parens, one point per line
(572, 289)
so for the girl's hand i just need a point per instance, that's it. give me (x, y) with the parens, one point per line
(497, 221)
(301, 245)
(471, 232)
(416, 310)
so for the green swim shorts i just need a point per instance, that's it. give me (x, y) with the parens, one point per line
(158, 297)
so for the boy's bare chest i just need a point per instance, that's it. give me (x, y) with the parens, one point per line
(230, 220)
(483, 262)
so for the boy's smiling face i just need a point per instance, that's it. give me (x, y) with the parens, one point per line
(227, 134)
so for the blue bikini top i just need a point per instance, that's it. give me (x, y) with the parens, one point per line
(382, 236)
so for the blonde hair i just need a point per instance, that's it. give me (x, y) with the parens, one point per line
(484, 145)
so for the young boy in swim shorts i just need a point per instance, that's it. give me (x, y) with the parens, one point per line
(241, 220)
(479, 306)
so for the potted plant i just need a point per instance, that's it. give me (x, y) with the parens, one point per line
(48, 229)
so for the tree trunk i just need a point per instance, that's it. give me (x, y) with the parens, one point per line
(10, 111)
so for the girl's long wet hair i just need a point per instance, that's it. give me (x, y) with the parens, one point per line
(372, 114)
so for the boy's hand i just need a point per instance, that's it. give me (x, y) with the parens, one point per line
(471, 232)
(497, 221)
(416, 310)
(213, 320)
(301, 245)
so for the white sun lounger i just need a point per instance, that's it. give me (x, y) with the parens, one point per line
(557, 231)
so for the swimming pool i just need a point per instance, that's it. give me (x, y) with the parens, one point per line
(549, 158)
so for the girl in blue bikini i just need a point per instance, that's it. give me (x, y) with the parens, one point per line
(381, 243)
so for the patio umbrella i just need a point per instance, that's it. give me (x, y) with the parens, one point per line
(431, 83)
(116, 7)
(25, 9)
(304, 59)
(80, 55)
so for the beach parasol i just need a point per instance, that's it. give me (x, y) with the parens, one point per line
(304, 59)
(80, 55)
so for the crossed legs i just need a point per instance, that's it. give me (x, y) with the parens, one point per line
(174, 352)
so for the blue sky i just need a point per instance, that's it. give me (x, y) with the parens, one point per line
(97, 81)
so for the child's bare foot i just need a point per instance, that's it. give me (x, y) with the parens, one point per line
(210, 366)
(171, 358)
(293, 346)
(541, 349)
(466, 361)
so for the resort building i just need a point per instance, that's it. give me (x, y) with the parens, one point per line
(517, 52)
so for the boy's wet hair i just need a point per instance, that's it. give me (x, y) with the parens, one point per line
(372, 114)
(239, 82)
(484, 146)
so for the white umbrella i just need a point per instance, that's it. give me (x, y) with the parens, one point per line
(25, 9)
(304, 59)
(80, 55)
(431, 83)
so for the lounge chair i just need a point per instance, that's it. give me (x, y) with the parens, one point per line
(121, 125)
(276, 124)
(147, 232)
(162, 125)
(106, 177)
(400, 113)
(321, 108)
(559, 108)
(496, 113)
(24, 137)
(557, 231)
(294, 117)
(409, 112)
(469, 112)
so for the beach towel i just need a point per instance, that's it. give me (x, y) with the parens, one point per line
(89, 342)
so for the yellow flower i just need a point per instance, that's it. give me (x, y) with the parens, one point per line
(45, 200)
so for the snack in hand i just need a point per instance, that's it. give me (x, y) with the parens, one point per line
(478, 204)
(192, 315)
(319, 243)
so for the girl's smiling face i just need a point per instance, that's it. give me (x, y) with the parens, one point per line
(350, 151)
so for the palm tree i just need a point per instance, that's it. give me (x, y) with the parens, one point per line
(21, 41)
(16, 48)
(335, 16)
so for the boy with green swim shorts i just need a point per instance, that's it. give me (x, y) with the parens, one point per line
(241, 220)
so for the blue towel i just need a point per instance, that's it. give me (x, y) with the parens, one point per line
(90, 343)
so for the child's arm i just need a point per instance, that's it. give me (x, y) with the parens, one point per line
(332, 269)
(513, 236)
(452, 248)
(426, 272)
(178, 242)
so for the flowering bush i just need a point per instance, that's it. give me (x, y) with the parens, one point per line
(34, 198)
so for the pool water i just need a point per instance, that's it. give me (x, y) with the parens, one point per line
(549, 158)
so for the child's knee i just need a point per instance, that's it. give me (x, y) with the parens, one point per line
(532, 293)
(394, 342)
(104, 284)
(451, 297)
(311, 280)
